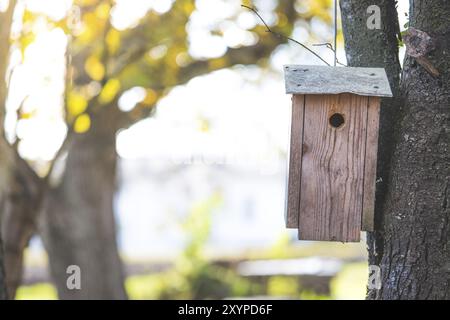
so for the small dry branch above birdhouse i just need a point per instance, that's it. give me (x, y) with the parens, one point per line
(333, 150)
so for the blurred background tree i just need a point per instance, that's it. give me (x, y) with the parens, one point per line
(70, 203)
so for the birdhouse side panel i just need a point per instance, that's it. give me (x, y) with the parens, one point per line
(295, 161)
(332, 173)
(370, 175)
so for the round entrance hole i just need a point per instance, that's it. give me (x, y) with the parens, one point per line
(337, 120)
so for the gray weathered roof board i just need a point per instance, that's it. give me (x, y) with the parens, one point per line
(334, 80)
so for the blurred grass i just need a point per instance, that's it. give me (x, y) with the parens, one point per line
(350, 283)
(40, 291)
(200, 273)
(195, 275)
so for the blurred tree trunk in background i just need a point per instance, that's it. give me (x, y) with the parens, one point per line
(411, 243)
(3, 295)
(21, 194)
(21, 208)
(4, 165)
(4, 171)
(78, 226)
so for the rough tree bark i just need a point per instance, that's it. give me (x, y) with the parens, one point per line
(411, 243)
(415, 258)
(78, 225)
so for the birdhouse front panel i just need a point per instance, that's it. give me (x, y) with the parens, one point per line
(332, 154)
(332, 167)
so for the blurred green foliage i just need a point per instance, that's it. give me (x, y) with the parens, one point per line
(221, 282)
(195, 276)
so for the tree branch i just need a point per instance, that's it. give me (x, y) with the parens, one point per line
(279, 35)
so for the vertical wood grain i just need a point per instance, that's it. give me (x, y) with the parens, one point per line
(295, 161)
(370, 171)
(332, 172)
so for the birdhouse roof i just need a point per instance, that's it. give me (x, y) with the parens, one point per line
(300, 79)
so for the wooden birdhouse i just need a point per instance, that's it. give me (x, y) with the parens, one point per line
(333, 150)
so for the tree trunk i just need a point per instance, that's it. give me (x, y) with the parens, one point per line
(376, 48)
(6, 164)
(21, 198)
(4, 171)
(3, 295)
(21, 208)
(411, 243)
(78, 226)
(415, 258)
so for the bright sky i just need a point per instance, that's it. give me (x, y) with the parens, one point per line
(251, 100)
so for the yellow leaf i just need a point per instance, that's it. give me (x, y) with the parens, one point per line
(113, 40)
(25, 40)
(28, 16)
(188, 7)
(82, 123)
(150, 98)
(86, 2)
(94, 68)
(76, 104)
(102, 11)
(248, 3)
(26, 115)
(109, 91)
(91, 28)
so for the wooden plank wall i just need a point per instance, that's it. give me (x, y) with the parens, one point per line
(332, 170)
(295, 161)
(370, 174)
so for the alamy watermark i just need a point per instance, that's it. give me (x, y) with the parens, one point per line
(374, 20)
(74, 279)
(374, 282)
(267, 163)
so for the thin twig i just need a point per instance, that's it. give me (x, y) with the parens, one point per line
(335, 33)
(279, 35)
(330, 46)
